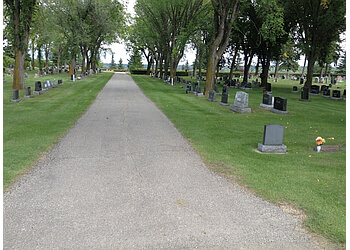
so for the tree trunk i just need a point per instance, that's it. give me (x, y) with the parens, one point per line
(321, 73)
(276, 70)
(233, 64)
(310, 72)
(247, 62)
(72, 66)
(265, 64)
(302, 73)
(18, 74)
(257, 67)
(46, 57)
(212, 62)
(33, 59)
(223, 20)
(326, 70)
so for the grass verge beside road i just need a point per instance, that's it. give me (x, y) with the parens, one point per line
(304, 179)
(32, 126)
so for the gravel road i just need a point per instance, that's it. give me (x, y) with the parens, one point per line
(125, 178)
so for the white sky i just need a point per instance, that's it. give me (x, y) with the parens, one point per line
(119, 49)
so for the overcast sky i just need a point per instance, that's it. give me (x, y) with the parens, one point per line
(120, 49)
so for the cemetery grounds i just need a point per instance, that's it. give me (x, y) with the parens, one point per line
(303, 182)
(308, 184)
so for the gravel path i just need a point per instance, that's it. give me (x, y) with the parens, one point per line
(125, 178)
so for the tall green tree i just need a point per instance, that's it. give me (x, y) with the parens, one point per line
(19, 15)
(318, 23)
(225, 12)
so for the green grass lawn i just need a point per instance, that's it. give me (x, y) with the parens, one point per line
(32, 126)
(309, 181)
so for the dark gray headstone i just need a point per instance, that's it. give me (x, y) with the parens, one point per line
(336, 94)
(16, 96)
(301, 81)
(280, 103)
(295, 89)
(327, 93)
(224, 100)
(273, 139)
(212, 96)
(225, 89)
(315, 90)
(273, 134)
(60, 82)
(268, 87)
(267, 99)
(28, 91)
(38, 86)
(304, 94)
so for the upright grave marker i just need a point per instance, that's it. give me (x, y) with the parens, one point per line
(280, 106)
(38, 88)
(212, 96)
(273, 139)
(240, 104)
(305, 94)
(16, 96)
(267, 101)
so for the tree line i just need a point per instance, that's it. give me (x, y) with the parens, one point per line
(64, 29)
(276, 31)
(272, 30)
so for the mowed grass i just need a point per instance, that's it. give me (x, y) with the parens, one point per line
(32, 126)
(306, 180)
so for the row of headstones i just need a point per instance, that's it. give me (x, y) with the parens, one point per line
(315, 90)
(325, 80)
(39, 89)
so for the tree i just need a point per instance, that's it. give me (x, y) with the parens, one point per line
(318, 23)
(112, 65)
(135, 61)
(120, 65)
(19, 15)
(225, 12)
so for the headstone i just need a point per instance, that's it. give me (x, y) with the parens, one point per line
(316, 79)
(72, 78)
(301, 81)
(16, 96)
(315, 90)
(45, 86)
(28, 93)
(344, 95)
(38, 86)
(305, 94)
(295, 89)
(240, 104)
(25, 75)
(216, 88)
(268, 87)
(267, 101)
(273, 139)
(212, 96)
(280, 106)
(327, 93)
(60, 82)
(336, 95)
(224, 100)
(225, 90)
(188, 89)
(323, 88)
(198, 90)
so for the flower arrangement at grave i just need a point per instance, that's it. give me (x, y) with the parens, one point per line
(320, 141)
(264, 90)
